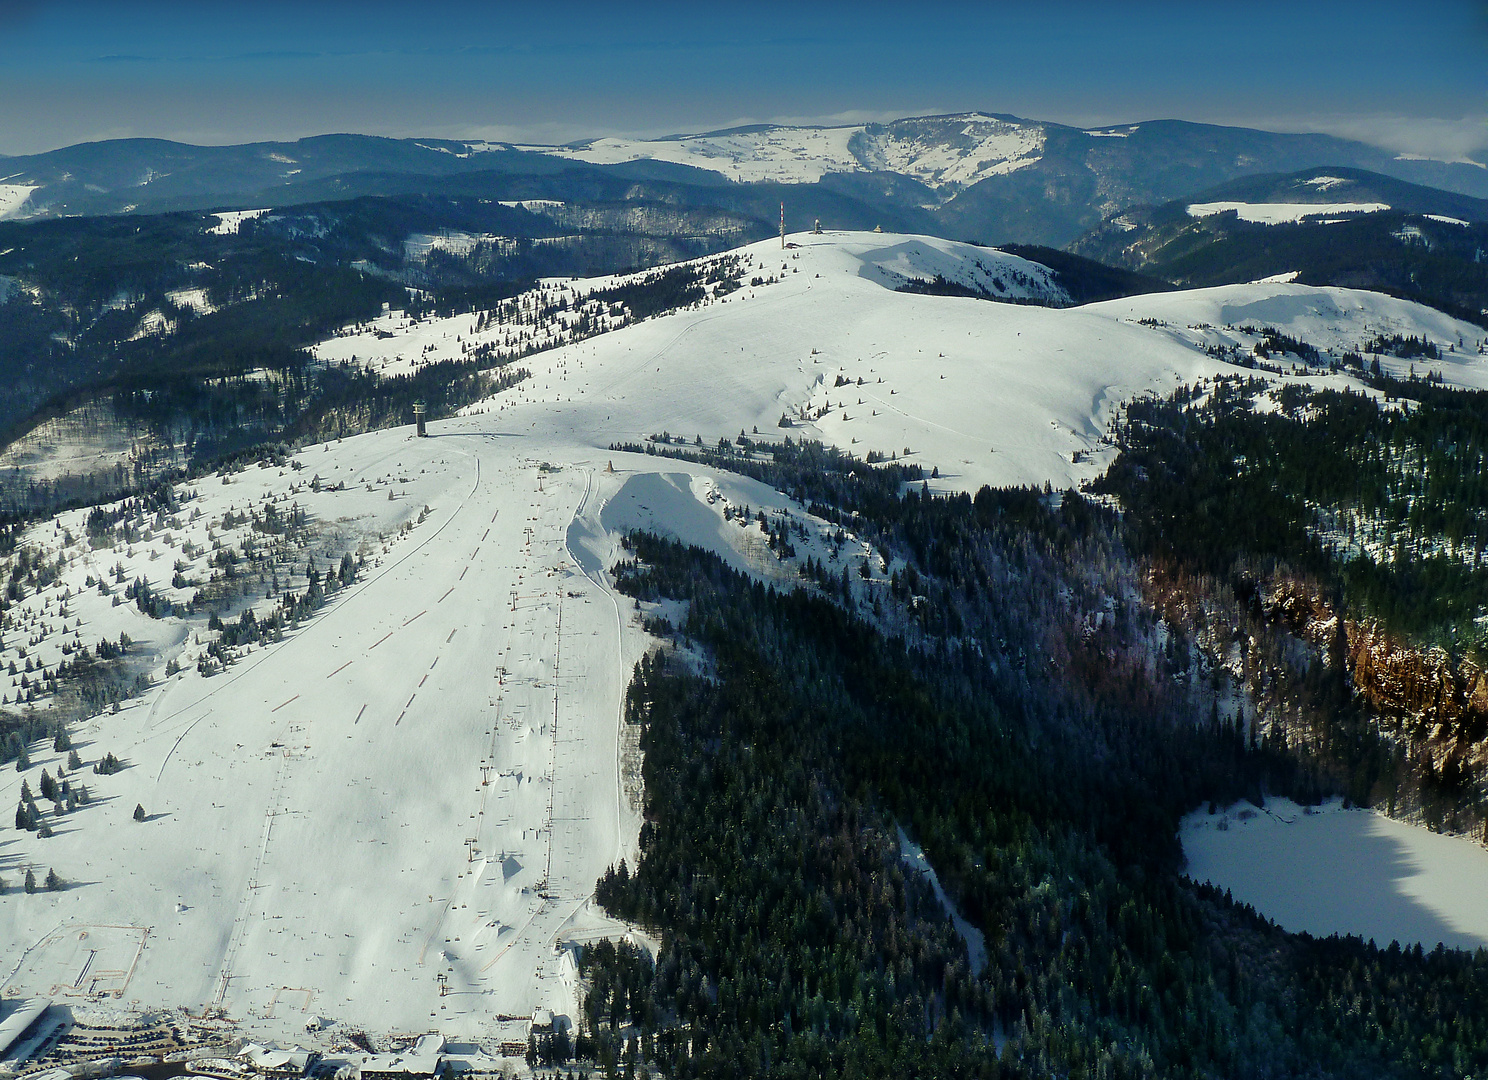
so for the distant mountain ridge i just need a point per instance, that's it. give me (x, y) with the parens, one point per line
(986, 177)
(1324, 226)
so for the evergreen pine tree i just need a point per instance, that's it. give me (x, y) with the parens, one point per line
(30, 881)
(53, 882)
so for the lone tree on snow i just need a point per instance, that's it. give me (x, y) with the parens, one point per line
(30, 882)
(53, 882)
(139, 812)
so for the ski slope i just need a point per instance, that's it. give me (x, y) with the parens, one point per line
(394, 818)
(13, 199)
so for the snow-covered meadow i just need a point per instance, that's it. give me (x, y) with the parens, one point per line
(1326, 870)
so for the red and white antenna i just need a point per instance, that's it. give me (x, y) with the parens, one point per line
(782, 226)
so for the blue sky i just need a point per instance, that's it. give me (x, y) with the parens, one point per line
(1410, 76)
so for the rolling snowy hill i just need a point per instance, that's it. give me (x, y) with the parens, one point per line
(985, 392)
(395, 816)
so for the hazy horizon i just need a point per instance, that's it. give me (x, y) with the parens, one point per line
(1411, 81)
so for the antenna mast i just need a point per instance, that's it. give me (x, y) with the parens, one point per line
(782, 226)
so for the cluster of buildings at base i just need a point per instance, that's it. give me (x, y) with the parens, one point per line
(30, 1029)
(27, 1028)
(425, 1058)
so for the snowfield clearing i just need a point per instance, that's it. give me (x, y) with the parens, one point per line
(1326, 870)
(1283, 213)
(229, 221)
(13, 198)
(394, 817)
(785, 155)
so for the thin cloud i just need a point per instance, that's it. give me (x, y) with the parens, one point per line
(1461, 139)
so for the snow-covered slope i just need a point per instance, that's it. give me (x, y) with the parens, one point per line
(13, 197)
(952, 151)
(1326, 870)
(788, 155)
(939, 151)
(229, 221)
(419, 785)
(1333, 319)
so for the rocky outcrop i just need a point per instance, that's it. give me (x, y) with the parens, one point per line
(1281, 639)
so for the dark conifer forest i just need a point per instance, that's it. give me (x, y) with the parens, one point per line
(1043, 759)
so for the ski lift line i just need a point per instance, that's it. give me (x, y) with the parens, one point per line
(379, 641)
(424, 612)
(557, 659)
(600, 585)
(340, 669)
(281, 705)
(446, 594)
(462, 574)
(245, 905)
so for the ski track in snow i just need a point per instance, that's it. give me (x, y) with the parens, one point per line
(424, 779)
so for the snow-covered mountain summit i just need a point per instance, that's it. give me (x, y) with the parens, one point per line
(818, 336)
(942, 152)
